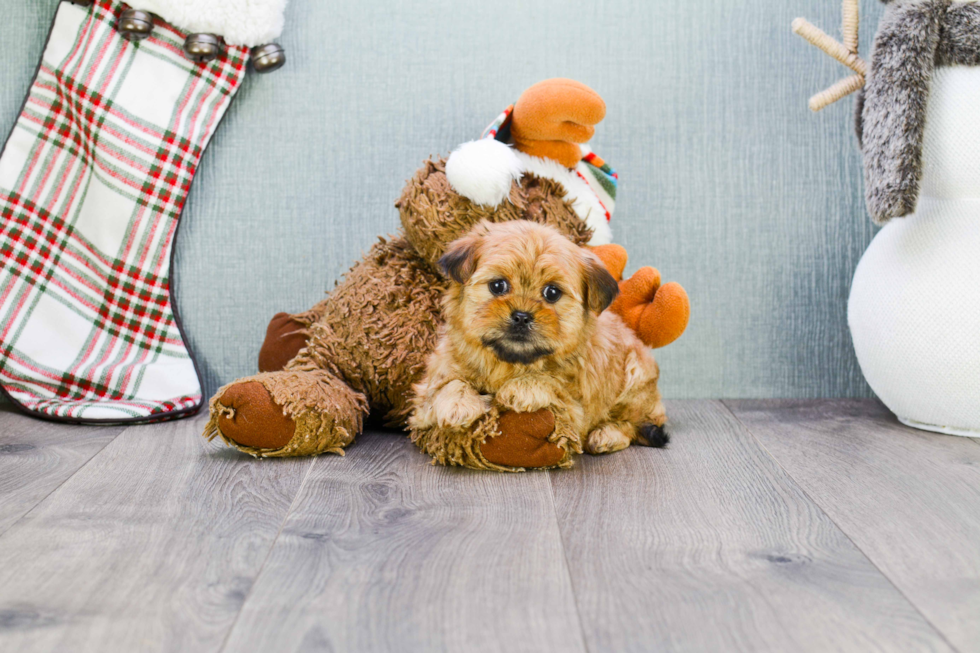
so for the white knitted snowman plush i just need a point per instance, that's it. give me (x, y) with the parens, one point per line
(93, 179)
(914, 309)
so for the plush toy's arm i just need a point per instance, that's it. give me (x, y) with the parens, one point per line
(658, 314)
(895, 99)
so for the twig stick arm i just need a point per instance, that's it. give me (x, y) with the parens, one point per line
(850, 25)
(838, 91)
(846, 53)
(820, 39)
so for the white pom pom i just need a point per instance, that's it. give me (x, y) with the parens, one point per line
(483, 171)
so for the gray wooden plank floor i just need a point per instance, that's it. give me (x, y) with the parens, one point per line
(36, 457)
(150, 546)
(910, 500)
(799, 526)
(385, 552)
(712, 531)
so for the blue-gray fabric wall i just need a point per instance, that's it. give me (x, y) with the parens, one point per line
(729, 184)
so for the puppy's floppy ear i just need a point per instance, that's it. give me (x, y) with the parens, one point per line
(600, 286)
(459, 261)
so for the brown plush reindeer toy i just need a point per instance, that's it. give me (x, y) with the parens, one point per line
(364, 346)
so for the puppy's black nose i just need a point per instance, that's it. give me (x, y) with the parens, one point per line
(521, 320)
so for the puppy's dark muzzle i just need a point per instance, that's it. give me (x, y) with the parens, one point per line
(520, 323)
(518, 344)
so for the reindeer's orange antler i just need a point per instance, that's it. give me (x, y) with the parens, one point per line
(614, 257)
(552, 117)
(846, 53)
(657, 314)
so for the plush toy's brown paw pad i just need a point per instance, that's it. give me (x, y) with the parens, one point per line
(523, 441)
(250, 417)
(284, 338)
(651, 435)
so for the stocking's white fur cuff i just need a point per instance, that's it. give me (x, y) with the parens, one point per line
(239, 22)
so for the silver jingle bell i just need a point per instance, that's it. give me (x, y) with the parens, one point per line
(268, 57)
(202, 47)
(135, 25)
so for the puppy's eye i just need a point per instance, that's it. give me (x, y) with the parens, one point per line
(551, 293)
(499, 287)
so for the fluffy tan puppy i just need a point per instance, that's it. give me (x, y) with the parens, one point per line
(525, 331)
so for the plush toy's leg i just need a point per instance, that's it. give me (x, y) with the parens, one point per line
(520, 440)
(287, 413)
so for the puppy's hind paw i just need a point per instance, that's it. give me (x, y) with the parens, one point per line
(651, 435)
(606, 439)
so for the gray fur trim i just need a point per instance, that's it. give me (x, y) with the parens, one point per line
(959, 40)
(895, 100)
(959, 45)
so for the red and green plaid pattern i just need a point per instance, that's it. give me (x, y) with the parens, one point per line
(92, 182)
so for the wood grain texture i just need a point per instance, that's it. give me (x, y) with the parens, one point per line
(36, 457)
(709, 546)
(153, 545)
(828, 527)
(909, 499)
(385, 552)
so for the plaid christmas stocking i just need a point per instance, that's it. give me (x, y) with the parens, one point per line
(93, 178)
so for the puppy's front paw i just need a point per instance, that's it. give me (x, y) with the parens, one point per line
(607, 439)
(454, 405)
(522, 396)
(458, 405)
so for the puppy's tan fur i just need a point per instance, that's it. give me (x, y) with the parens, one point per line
(575, 360)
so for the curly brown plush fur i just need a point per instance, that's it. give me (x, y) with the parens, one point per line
(433, 215)
(370, 337)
